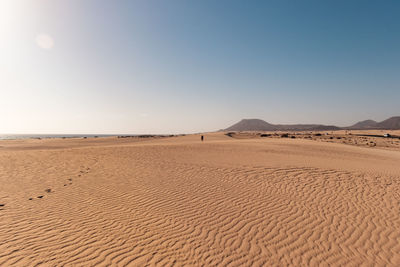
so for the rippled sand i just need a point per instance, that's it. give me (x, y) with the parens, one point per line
(178, 201)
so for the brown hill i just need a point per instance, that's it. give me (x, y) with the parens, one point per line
(392, 123)
(367, 124)
(260, 125)
(252, 125)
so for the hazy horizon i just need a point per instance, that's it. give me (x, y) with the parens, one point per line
(137, 67)
(161, 133)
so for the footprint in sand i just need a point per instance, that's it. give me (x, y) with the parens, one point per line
(48, 190)
(2, 206)
(40, 197)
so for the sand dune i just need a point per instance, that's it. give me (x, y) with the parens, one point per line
(177, 201)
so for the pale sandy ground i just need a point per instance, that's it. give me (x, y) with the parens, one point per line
(177, 201)
(362, 138)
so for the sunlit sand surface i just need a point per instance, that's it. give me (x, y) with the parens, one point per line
(179, 201)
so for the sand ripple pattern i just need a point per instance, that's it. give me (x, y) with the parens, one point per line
(138, 207)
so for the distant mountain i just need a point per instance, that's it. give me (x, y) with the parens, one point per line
(252, 125)
(260, 125)
(392, 123)
(367, 124)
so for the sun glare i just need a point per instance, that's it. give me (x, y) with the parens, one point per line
(44, 41)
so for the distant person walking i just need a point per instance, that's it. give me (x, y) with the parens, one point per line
(202, 138)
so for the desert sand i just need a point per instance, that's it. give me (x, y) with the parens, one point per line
(179, 201)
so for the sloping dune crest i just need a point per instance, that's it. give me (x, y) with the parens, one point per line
(177, 201)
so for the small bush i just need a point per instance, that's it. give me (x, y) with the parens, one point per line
(229, 134)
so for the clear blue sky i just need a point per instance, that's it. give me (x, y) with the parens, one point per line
(71, 66)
